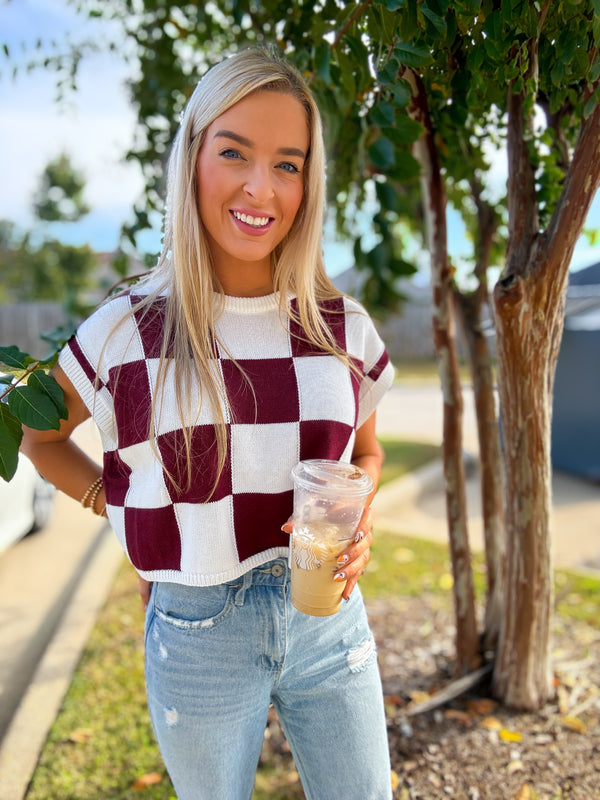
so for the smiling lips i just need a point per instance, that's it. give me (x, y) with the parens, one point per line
(257, 223)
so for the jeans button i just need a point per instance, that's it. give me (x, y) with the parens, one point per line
(277, 570)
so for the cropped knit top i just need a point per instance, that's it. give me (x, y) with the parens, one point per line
(293, 402)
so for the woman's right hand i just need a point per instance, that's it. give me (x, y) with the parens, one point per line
(144, 589)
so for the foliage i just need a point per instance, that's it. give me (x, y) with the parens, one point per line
(39, 267)
(44, 269)
(31, 397)
(60, 193)
(466, 53)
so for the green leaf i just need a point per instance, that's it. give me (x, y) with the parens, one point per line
(9, 455)
(406, 131)
(383, 114)
(493, 26)
(48, 385)
(388, 74)
(402, 93)
(387, 196)
(322, 57)
(437, 23)
(13, 358)
(590, 106)
(11, 434)
(382, 153)
(10, 424)
(412, 55)
(393, 5)
(34, 408)
(406, 167)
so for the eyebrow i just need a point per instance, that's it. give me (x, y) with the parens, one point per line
(284, 151)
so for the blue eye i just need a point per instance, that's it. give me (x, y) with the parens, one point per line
(287, 166)
(230, 153)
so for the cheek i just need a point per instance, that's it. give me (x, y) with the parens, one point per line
(294, 201)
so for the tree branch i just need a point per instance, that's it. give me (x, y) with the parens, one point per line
(523, 222)
(356, 15)
(21, 380)
(581, 184)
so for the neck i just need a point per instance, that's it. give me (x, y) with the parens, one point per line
(246, 281)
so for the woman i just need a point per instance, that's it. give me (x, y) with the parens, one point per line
(209, 380)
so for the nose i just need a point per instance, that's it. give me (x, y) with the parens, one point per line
(259, 184)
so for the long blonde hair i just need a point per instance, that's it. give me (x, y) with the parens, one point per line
(184, 271)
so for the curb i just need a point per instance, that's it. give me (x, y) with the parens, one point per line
(407, 488)
(23, 742)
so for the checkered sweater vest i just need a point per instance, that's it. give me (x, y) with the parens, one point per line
(303, 404)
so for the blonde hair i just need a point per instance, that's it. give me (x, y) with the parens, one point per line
(184, 270)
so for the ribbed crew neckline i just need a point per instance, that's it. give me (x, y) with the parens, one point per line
(252, 305)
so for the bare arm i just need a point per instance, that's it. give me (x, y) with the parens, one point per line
(368, 455)
(56, 456)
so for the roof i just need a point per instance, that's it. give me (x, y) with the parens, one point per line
(585, 277)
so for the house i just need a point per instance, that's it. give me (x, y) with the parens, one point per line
(576, 410)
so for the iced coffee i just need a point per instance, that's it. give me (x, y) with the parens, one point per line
(329, 498)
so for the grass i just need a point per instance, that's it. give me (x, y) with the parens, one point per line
(426, 371)
(102, 744)
(402, 457)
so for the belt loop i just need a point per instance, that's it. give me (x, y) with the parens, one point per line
(241, 592)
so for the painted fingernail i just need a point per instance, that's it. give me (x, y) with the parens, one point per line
(343, 560)
(339, 576)
(359, 536)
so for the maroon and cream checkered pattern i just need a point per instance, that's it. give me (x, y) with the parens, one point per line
(294, 403)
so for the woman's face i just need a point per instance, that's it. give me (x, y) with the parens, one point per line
(250, 173)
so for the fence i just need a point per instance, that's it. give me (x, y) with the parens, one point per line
(22, 323)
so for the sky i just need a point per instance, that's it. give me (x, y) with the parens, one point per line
(95, 126)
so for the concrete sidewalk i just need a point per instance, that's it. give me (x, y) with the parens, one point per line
(415, 505)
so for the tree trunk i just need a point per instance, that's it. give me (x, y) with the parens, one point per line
(490, 458)
(467, 641)
(522, 672)
(529, 301)
(470, 307)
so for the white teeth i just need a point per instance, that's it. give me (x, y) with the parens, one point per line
(256, 222)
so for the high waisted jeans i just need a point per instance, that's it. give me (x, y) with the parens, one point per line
(217, 656)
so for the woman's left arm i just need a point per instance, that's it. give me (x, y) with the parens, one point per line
(368, 455)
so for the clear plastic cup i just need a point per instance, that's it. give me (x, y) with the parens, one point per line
(329, 499)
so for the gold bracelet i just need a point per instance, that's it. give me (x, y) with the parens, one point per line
(93, 488)
(94, 497)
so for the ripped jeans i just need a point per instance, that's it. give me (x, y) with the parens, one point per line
(216, 657)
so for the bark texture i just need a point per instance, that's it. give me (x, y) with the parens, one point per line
(529, 300)
(467, 640)
(471, 308)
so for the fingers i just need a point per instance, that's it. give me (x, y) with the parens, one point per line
(353, 576)
(353, 561)
(144, 589)
(365, 524)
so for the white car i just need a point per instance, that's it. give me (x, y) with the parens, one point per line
(25, 503)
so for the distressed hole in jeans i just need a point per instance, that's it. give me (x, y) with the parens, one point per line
(171, 717)
(359, 657)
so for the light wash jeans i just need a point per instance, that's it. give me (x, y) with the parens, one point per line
(217, 656)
